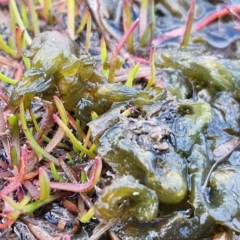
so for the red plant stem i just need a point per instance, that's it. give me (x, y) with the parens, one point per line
(197, 26)
(19, 72)
(17, 180)
(140, 60)
(214, 16)
(126, 35)
(18, 40)
(4, 97)
(236, 16)
(118, 48)
(79, 187)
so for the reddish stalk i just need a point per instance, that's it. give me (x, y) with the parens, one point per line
(113, 61)
(197, 26)
(4, 98)
(80, 187)
(235, 15)
(18, 41)
(215, 15)
(19, 71)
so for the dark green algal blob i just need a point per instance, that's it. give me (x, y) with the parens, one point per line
(194, 118)
(225, 196)
(142, 202)
(180, 225)
(207, 72)
(59, 67)
(138, 148)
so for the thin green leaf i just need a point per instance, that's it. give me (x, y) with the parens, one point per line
(131, 75)
(127, 19)
(31, 207)
(72, 137)
(83, 22)
(44, 184)
(26, 61)
(14, 156)
(6, 48)
(7, 79)
(55, 173)
(86, 142)
(26, 199)
(94, 115)
(103, 50)
(68, 156)
(31, 139)
(15, 134)
(84, 177)
(79, 130)
(47, 10)
(152, 66)
(34, 17)
(87, 216)
(146, 36)
(61, 109)
(189, 23)
(37, 128)
(127, 112)
(19, 21)
(105, 71)
(25, 17)
(71, 18)
(14, 205)
(113, 61)
(43, 136)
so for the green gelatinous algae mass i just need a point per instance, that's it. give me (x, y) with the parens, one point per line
(177, 84)
(138, 148)
(54, 52)
(59, 67)
(180, 225)
(195, 117)
(119, 93)
(142, 201)
(208, 72)
(99, 125)
(225, 196)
